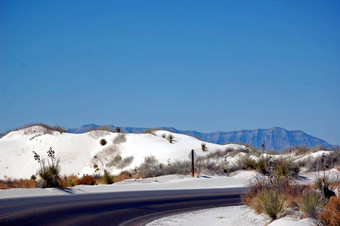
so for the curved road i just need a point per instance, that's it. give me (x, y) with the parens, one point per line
(114, 208)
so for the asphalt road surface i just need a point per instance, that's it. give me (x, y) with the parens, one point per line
(114, 208)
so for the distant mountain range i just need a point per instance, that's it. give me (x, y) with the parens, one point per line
(274, 138)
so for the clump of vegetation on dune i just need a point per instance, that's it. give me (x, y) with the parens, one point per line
(49, 170)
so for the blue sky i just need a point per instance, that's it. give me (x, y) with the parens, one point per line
(195, 65)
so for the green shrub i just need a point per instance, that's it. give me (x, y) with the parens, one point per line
(204, 147)
(272, 203)
(261, 166)
(171, 138)
(103, 142)
(283, 168)
(312, 203)
(108, 179)
(248, 162)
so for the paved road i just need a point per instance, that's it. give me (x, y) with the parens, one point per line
(114, 208)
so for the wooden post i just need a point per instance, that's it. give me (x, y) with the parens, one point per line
(192, 163)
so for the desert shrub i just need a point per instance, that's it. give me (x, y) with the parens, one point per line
(324, 184)
(69, 181)
(33, 177)
(233, 152)
(204, 147)
(229, 168)
(105, 156)
(177, 167)
(171, 138)
(300, 150)
(291, 193)
(86, 180)
(248, 162)
(152, 130)
(333, 159)
(103, 142)
(312, 203)
(283, 168)
(261, 165)
(48, 172)
(272, 203)
(152, 168)
(123, 176)
(49, 175)
(120, 138)
(324, 162)
(331, 212)
(120, 162)
(108, 178)
(215, 155)
(21, 183)
(118, 129)
(115, 161)
(125, 162)
(209, 167)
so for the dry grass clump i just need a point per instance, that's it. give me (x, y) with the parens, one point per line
(86, 180)
(283, 168)
(69, 181)
(123, 176)
(249, 163)
(331, 213)
(20, 183)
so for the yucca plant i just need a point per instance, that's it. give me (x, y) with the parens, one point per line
(48, 172)
(272, 203)
(108, 179)
(312, 203)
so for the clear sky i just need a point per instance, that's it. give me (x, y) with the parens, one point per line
(195, 65)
